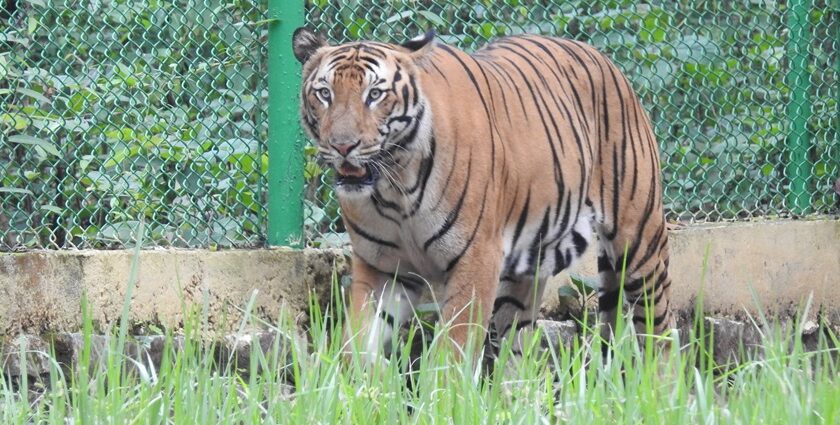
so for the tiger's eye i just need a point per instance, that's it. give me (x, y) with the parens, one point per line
(374, 94)
(324, 93)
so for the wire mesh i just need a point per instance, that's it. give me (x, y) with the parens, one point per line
(712, 75)
(116, 112)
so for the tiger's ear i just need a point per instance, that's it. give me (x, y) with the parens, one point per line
(305, 42)
(420, 46)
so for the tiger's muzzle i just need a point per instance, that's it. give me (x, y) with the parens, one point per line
(349, 176)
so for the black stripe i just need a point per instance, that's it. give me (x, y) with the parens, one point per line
(478, 221)
(413, 84)
(452, 217)
(523, 216)
(425, 169)
(637, 284)
(378, 52)
(409, 138)
(636, 141)
(519, 326)
(662, 292)
(442, 74)
(345, 49)
(650, 290)
(336, 59)
(608, 300)
(567, 210)
(370, 237)
(645, 214)
(446, 182)
(507, 299)
(388, 318)
(493, 71)
(536, 244)
(419, 200)
(411, 283)
(405, 96)
(657, 320)
(379, 201)
(604, 263)
(653, 248)
(580, 242)
(378, 206)
(616, 187)
(559, 104)
(559, 261)
(370, 60)
(584, 66)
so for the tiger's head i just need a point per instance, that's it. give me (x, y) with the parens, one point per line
(362, 104)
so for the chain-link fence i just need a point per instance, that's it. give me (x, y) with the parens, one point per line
(116, 112)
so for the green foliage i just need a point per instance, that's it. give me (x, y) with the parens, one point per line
(121, 111)
(117, 112)
(580, 288)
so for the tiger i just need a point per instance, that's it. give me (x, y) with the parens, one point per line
(479, 176)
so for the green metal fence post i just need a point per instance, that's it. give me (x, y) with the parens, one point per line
(285, 153)
(798, 169)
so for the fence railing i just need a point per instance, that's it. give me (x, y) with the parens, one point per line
(183, 114)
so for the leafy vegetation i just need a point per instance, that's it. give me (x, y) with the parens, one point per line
(123, 111)
(117, 112)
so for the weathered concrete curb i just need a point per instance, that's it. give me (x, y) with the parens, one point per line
(781, 262)
(42, 291)
(777, 263)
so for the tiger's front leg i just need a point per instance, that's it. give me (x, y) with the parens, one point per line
(469, 295)
(379, 304)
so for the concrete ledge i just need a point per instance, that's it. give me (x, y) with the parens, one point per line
(42, 291)
(778, 263)
(781, 262)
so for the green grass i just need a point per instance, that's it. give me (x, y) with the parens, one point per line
(298, 384)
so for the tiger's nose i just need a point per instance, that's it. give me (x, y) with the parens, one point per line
(345, 148)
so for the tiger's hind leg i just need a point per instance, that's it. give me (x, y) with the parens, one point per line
(608, 294)
(644, 271)
(514, 314)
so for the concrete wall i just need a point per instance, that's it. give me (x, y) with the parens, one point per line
(781, 262)
(775, 263)
(42, 291)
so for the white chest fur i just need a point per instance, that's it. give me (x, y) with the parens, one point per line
(393, 238)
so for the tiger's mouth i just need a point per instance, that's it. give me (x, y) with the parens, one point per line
(351, 175)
